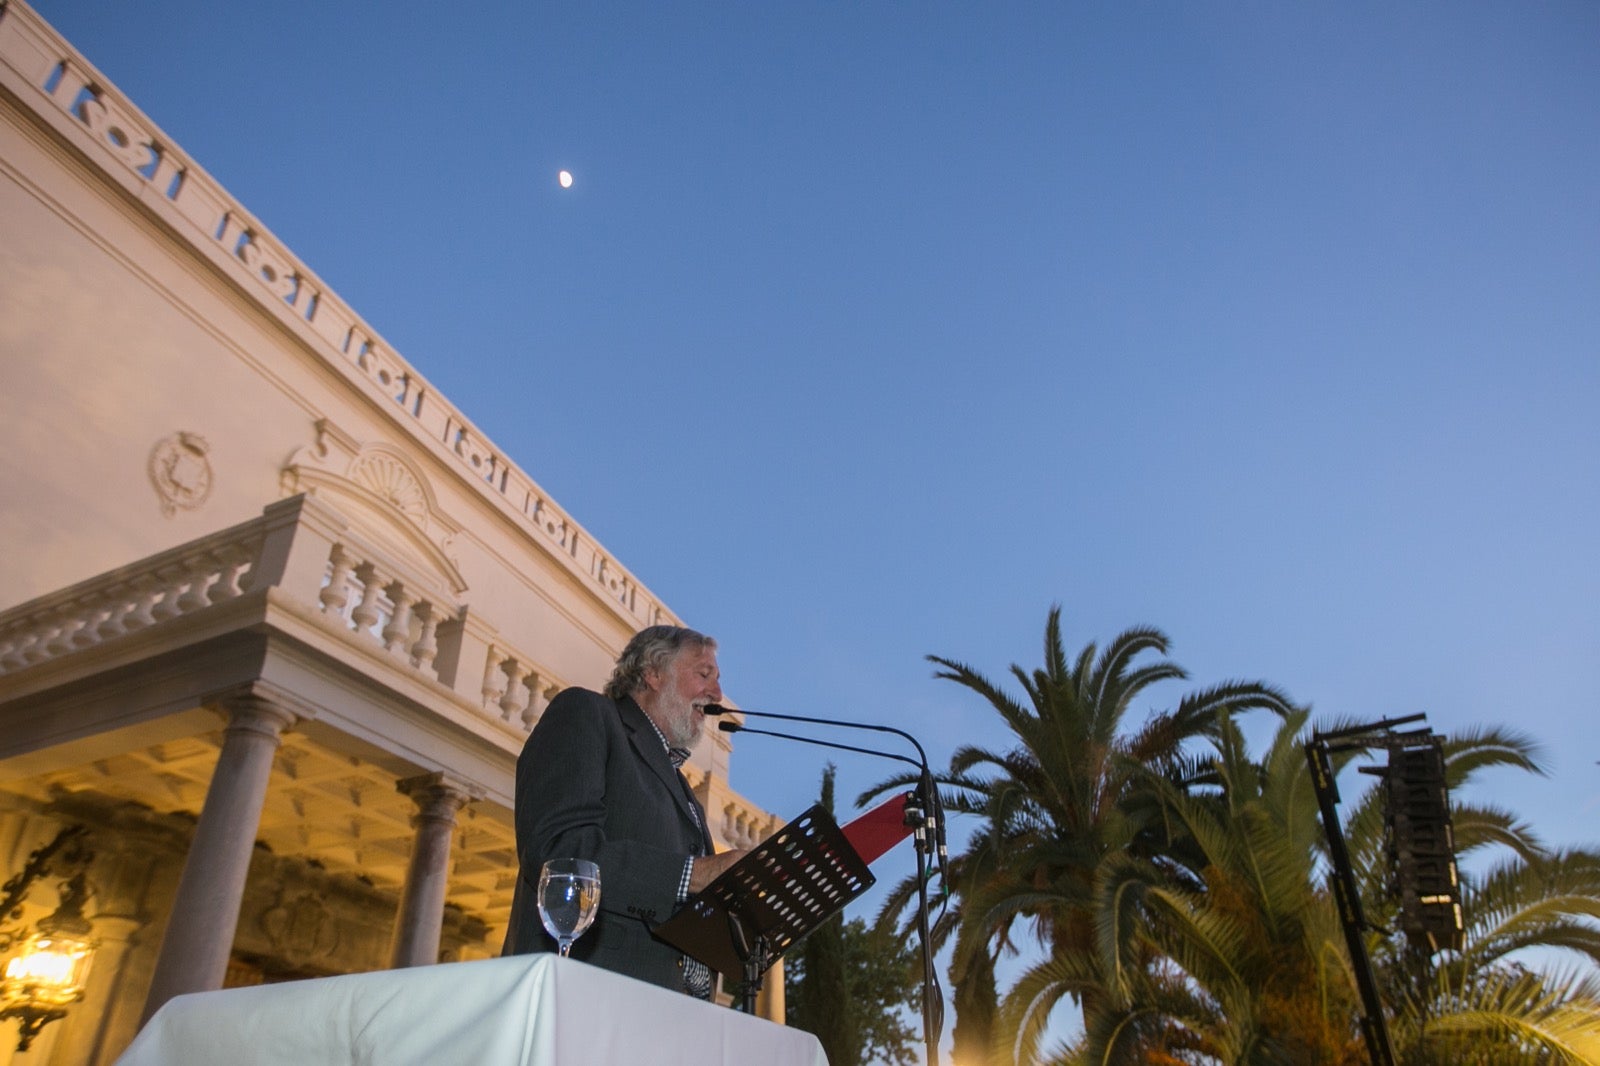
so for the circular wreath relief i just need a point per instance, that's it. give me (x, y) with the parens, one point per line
(181, 472)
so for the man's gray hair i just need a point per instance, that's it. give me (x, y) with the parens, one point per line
(652, 648)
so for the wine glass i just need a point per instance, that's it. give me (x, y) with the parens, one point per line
(569, 895)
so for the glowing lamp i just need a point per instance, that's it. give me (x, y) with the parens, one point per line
(50, 969)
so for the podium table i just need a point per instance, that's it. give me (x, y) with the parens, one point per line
(526, 1010)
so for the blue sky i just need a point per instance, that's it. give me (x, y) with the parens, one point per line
(869, 331)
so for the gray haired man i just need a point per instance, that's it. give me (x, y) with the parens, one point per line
(598, 779)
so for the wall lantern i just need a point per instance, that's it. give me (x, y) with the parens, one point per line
(45, 972)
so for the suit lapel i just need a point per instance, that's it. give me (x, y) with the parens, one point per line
(648, 746)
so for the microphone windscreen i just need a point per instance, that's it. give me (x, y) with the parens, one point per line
(714, 709)
(729, 727)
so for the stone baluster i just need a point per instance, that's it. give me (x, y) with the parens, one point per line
(199, 573)
(205, 912)
(170, 579)
(69, 622)
(421, 917)
(494, 679)
(397, 634)
(232, 562)
(55, 638)
(538, 699)
(15, 654)
(366, 614)
(336, 593)
(146, 595)
(27, 649)
(115, 606)
(427, 643)
(87, 632)
(516, 696)
(32, 646)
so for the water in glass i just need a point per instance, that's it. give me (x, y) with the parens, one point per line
(569, 895)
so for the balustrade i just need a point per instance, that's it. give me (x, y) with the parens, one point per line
(744, 826)
(187, 579)
(379, 604)
(307, 550)
(514, 690)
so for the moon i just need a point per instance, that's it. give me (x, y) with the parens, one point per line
(565, 178)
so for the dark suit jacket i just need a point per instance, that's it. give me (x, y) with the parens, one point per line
(594, 782)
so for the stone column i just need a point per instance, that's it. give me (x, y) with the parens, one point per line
(421, 918)
(205, 914)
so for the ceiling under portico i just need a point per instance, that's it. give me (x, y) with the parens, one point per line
(337, 809)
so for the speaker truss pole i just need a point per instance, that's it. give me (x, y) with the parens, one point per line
(1374, 1027)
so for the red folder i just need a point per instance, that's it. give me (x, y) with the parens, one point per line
(879, 829)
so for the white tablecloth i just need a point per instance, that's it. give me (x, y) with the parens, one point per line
(529, 1010)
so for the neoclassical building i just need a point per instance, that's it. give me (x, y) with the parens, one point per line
(275, 618)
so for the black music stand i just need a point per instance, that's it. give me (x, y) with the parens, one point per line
(788, 885)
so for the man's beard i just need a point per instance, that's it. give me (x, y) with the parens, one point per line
(680, 725)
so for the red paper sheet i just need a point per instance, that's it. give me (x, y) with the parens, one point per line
(879, 829)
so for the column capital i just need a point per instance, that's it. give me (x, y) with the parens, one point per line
(439, 794)
(261, 707)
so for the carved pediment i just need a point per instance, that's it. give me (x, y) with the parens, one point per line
(381, 489)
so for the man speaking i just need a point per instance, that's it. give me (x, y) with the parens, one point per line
(598, 779)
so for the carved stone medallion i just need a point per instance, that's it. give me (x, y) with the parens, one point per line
(181, 472)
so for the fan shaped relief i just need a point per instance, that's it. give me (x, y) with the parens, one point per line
(382, 493)
(389, 479)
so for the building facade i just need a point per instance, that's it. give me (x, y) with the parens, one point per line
(275, 617)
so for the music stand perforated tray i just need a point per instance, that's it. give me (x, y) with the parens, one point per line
(788, 885)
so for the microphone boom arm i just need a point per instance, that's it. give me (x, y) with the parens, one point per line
(713, 710)
(735, 727)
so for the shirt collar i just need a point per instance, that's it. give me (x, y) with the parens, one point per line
(678, 756)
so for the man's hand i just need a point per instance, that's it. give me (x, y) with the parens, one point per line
(707, 868)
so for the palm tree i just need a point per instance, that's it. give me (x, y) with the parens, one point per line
(1248, 962)
(1061, 807)
(1239, 959)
